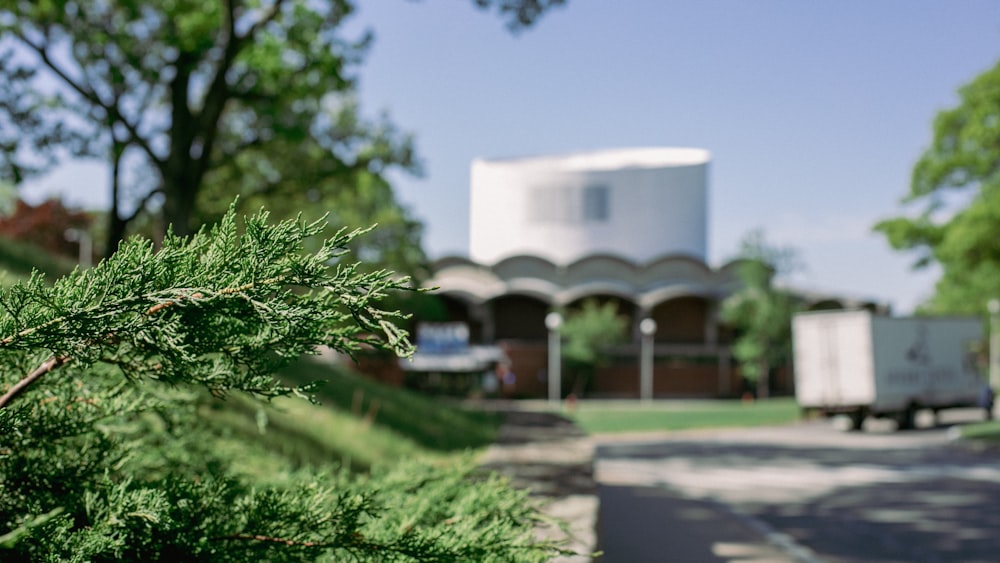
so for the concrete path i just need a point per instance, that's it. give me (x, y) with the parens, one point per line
(550, 456)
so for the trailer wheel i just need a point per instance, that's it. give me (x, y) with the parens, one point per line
(907, 418)
(857, 419)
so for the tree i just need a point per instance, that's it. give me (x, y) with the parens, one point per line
(103, 456)
(301, 179)
(760, 312)
(588, 332)
(185, 85)
(521, 14)
(175, 90)
(962, 163)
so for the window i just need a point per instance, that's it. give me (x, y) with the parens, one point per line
(565, 204)
(595, 203)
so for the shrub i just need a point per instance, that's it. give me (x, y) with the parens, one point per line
(102, 456)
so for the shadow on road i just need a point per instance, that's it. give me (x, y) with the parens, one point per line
(545, 453)
(661, 526)
(934, 504)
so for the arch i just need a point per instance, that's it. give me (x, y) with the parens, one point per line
(671, 259)
(651, 299)
(475, 282)
(676, 268)
(600, 267)
(617, 289)
(544, 290)
(519, 317)
(684, 319)
(452, 261)
(526, 266)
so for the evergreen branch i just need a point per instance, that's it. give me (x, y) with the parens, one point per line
(258, 537)
(48, 365)
(30, 330)
(177, 294)
(139, 473)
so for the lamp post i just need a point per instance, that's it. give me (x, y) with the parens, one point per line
(553, 321)
(993, 306)
(86, 245)
(647, 327)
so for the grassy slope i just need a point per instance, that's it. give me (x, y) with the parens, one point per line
(432, 423)
(359, 423)
(17, 259)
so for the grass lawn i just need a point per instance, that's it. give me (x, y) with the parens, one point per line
(985, 431)
(596, 417)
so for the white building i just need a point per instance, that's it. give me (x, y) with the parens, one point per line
(636, 204)
(623, 225)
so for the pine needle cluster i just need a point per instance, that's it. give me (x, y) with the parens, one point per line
(102, 457)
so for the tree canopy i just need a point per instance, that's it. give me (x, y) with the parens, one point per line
(178, 95)
(963, 164)
(588, 332)
(760, 312)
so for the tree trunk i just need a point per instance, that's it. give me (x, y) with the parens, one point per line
(178, 204)
(116, 224)
(763, 380)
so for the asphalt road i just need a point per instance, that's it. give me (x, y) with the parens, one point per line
(806, 492)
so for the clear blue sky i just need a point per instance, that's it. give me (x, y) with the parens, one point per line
(814, 112)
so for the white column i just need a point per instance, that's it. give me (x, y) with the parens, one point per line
(647, 328)
(553, 321)
(86, 245)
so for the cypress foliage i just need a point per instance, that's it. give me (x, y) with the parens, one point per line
(102, 457)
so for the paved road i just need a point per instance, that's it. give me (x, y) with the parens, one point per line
(817, 494)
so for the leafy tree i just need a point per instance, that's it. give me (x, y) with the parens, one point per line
(760, 312)
(963, 161)
(102, 453)
(520, 14)
(587, 333)
(169, 92)
(304, 180)
(186, 86)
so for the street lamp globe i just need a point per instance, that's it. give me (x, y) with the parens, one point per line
(553, 321)
(647, 327)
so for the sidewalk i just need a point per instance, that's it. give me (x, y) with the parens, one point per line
(549, 455)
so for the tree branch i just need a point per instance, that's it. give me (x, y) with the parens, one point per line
(91, 96)
(219, 92)
(268, 18)
(48, 365)
(258, 537)
(142, 204)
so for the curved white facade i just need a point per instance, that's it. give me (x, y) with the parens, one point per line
(639, 204)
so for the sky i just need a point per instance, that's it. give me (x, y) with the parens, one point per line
(814, 112)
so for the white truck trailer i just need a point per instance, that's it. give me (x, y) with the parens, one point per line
(860, 364)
